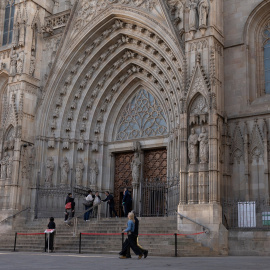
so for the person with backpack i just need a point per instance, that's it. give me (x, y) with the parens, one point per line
(69, 208)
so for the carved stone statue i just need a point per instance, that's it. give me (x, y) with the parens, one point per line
(13, 63)
(49, 170)
(95, 144)
(204, 149)
(64, 170)
(70, 115)
(9, 161)
(136, 167)
(179, 15)
(93, 172)
(193, 147)
(137, 146)
(32, 63)
(192, 15)
(20, 62)
(79, 172)
(3, 163)
(203, 10)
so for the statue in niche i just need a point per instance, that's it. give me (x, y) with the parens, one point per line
(136, 146)
(74, 104)
(85, 115)
(49, 170)
(20, 61)
(203, 10)
(4, 164)
(83, 126)
(64, 170)
(56, 112)
(32, 63)
(136, 167)
(193, 147)
(93, 172)
(59, 101)
(204, 149)
(179, 15)
(13, 63)
(192, 15)
(95, 144)
(79, 172)
(81, 143)
(70, 115)
(9, 166)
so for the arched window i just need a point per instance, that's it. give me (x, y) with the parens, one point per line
(142, 117)
(266, 56)
(8, 22)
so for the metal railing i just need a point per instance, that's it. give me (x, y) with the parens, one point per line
(246, 215)
(14, 215)
(75, 218)
(159, 196)
(205, 229)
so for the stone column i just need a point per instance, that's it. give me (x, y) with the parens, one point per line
(246, 161)
(203, 184)
(183, 158)
(192, 184)
(213, 158)
(265, 159)
(11, 188)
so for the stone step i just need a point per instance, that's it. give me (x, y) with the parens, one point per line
(162, 245)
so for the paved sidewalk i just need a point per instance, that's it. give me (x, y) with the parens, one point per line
(36, 261)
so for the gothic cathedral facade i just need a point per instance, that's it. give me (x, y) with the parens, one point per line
(104, 94)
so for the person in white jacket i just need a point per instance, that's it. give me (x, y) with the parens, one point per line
(89, 200)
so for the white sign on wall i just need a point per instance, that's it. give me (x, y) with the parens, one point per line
(246, 214)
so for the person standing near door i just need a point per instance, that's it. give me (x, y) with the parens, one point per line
(127, 201)
(109, 199)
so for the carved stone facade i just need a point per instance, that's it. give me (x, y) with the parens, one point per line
(84, 81)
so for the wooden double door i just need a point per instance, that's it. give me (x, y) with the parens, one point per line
(154, 166)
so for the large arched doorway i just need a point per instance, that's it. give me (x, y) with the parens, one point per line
(141, 120)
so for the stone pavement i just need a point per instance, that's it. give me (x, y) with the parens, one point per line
(36, 261)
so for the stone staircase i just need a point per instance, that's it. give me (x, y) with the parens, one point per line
(162, 245)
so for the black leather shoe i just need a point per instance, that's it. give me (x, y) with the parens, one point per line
(128, 256)
(145, 254)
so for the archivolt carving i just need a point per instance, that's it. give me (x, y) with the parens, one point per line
(199, 83)
(91, 8)
(256, 143)
(198, 111)
(123, 40)
(237, 148)
(142, 117)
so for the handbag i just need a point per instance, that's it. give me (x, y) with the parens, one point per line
(87, 203)
(68, 205)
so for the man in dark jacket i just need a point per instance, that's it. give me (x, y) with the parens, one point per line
(127, 201)
(109, 199)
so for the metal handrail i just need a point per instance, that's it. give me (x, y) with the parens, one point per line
(75, 226)
(205, 229)
(14, 215)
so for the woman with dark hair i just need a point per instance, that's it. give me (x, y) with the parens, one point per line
(69, 208)
(89, 203)
(50, 226)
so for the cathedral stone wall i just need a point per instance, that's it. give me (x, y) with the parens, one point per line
(88, 86)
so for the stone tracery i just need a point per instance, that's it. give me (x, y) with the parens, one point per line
(143, 117)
